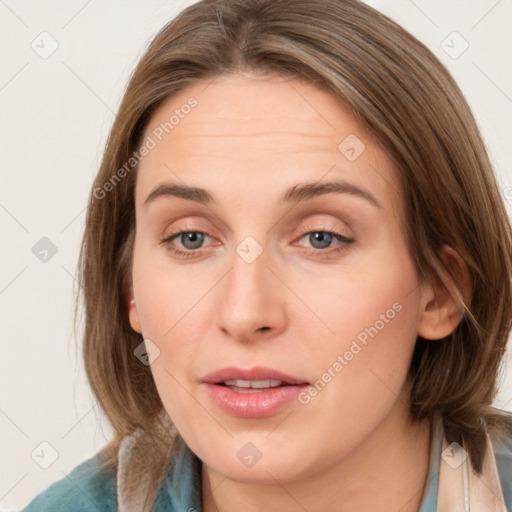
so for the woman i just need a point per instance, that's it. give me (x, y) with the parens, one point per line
(297, 275)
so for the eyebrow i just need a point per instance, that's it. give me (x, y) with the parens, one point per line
(295, 194)
(310, 190)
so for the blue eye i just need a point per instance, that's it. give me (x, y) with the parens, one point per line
(321, 240)
(191, 239)
(322, 243)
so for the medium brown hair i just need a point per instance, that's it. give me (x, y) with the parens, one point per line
(397, 89)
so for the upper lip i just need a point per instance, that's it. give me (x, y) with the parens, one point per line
(255, 373)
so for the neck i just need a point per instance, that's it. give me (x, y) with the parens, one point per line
(390, 468)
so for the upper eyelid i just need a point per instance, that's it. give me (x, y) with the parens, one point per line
(307, 224)
(305, 230)
(322, 219)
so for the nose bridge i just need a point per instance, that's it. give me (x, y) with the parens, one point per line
(250, 299)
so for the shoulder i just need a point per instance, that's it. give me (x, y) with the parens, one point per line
(502, 448)
(89, 487)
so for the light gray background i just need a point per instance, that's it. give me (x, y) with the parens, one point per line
(56, 113)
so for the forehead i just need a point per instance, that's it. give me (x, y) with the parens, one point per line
(260, 130)
(248, 104)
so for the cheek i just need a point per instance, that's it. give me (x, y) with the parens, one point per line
(174, 310)
(378, 291)
(371, 312)
(167, 296)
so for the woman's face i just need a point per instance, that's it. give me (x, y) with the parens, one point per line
(286, 313)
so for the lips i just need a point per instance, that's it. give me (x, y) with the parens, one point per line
(252, 393)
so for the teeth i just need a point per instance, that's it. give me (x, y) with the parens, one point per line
(259, 384)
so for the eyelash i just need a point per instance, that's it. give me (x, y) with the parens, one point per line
(345, 241)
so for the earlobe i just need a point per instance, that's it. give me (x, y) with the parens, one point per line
(440, 313)
(134, 314)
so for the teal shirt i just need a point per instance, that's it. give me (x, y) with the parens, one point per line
(90, 488)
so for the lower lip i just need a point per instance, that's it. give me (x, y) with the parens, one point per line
(254, 405)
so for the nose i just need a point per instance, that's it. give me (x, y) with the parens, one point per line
(252, 302)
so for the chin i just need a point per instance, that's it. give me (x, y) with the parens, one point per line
(252, 465)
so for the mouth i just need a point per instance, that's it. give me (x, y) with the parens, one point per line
(252, 393)
(252, 386)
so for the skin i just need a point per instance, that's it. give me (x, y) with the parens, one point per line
(250, 138)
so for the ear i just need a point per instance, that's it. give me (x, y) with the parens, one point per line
(133, 313)
(439, 314)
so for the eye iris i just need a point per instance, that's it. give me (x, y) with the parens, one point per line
(195, 238)
(322, 237)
